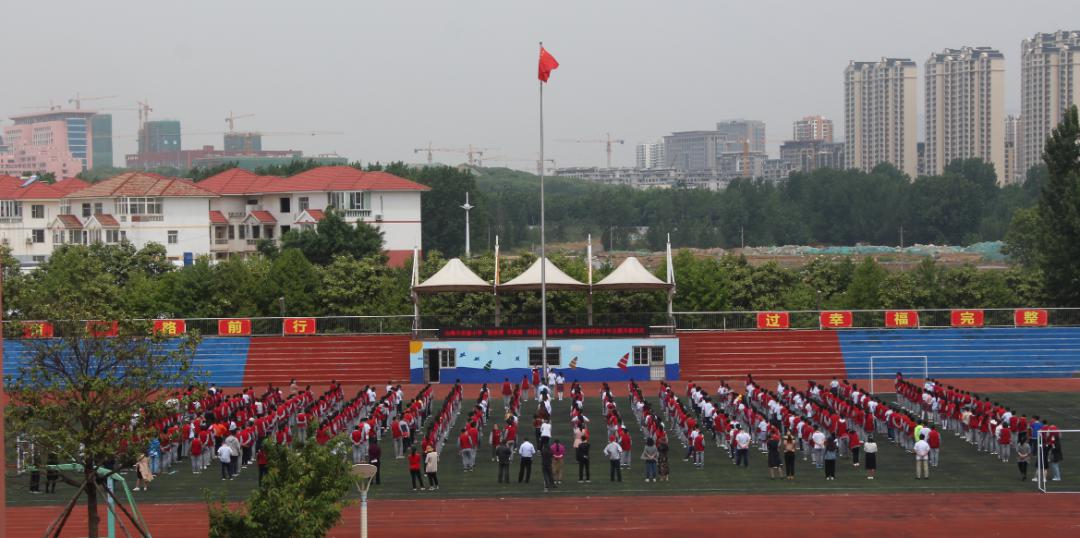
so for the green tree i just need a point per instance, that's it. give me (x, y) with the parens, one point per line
(1058, 252)
(295, 280)
(1022, 239)
(332, 237)
(366, 287)
(301, 497)
(866, 283)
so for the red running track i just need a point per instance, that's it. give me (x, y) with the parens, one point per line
(938, 514)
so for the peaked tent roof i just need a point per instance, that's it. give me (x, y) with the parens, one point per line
(530, 279)
(631, 275)
(454, 276)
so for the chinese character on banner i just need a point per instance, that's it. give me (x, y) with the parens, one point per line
(234, 327)
(38, 329)
(298, 326)
(901, 318)
(170, 327)
(99, 329)
(1030, 317)
(967, 318)
(841, 319)
(773, 320)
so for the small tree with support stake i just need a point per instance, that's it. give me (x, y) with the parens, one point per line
(93, 398)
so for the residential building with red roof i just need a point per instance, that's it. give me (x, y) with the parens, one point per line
(224, 215)
(259, 207)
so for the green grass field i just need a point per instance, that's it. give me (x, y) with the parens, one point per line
(961, 468)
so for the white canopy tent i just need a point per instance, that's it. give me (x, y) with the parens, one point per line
(631, 275)
(454, 276)
(557, 280)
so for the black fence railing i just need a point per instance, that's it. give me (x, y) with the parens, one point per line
(659, 323)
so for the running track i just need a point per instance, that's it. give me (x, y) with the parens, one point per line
(1017, 514)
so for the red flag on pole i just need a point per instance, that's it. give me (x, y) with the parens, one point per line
(624, 360)
(547, 64)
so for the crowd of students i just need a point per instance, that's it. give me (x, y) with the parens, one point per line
(988, 426)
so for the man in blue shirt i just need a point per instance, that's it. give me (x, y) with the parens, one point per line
(1036, 425)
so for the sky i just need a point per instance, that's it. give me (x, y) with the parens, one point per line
(394, 76)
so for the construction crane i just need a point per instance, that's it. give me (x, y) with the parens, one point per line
(474, 153)
(231, 120)
(78, 99)
(608, 142)
(144, 112)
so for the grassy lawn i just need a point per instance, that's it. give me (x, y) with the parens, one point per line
(961, 468)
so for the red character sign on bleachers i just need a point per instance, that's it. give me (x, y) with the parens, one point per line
(836, 319)
(234, 327)
(773, 320)
(967, 318)
(897, 319)
(1030, 317)
(298, 326)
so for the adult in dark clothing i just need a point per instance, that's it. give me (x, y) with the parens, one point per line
(772, 446)
(789, 456)
(546, 461)
(375, 458)
(503, 453)
(35, 473)
(51, 474)
(581, 454)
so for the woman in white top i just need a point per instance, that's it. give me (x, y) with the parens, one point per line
(870, 450)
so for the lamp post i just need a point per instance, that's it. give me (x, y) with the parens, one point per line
(467, 207)
(362, 474)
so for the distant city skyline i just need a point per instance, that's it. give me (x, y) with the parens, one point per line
(394, 77)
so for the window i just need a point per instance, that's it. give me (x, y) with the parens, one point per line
(112, 236)
(252, 201)
(138, 206)
(286, 204)
(536, 360)
(38, 235)
(58, 237)
(10, 209)
(243, 231)
(232, 231)
(255, 231)
(38, 259)
(86, 211)
(174, 237)
(123, 235)
(447, 357)
(348, 201)
(37, 211)
(269, 232)
(303, 203)
(98, 208)
(65, 208)
(285, 230)
(646, 355)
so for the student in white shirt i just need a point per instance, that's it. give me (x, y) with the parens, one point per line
(922, 459)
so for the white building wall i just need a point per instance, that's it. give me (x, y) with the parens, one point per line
(16, 233)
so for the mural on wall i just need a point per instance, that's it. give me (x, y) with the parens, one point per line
(491, 361)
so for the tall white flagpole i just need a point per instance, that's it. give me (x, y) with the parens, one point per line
(543, 251)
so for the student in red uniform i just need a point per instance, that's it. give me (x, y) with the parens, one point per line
(195, 450)
(414, 469)
(507, 392)
(264, 464)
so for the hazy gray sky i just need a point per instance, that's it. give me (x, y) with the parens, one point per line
(394, 75)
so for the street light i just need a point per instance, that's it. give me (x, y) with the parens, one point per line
(362, 474)
(281, 303)
(467, 207)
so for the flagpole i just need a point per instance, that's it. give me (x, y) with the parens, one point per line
(543, 250)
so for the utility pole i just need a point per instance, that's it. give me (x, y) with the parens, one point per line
(742, 237)
(901, 236)
(467, 207)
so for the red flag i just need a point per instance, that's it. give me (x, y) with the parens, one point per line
(623, 361)
(547, 64)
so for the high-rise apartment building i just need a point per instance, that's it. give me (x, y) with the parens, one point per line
(650, 155)
(1049, 85)
(879, 114)
(817, 128)
(1012, 172)
(965, 108)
